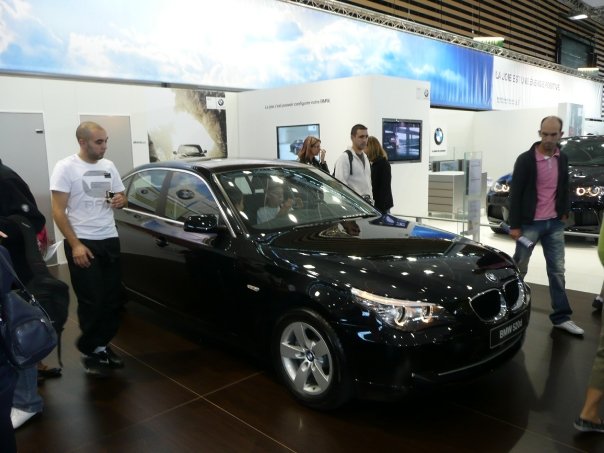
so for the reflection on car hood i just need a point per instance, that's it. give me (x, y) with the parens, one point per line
(401, 260)
(586, 174)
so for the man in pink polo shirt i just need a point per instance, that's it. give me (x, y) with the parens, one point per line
(539, 204)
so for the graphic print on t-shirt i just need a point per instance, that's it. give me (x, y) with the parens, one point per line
(96, 183)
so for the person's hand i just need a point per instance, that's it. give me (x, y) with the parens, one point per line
(81, 255)
(322, 155)
(3, 234)
(298, 203)
(118, 201)
(515, 233)
(286, 206)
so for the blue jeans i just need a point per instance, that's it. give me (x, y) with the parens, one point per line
(26, 395)
(551, 235)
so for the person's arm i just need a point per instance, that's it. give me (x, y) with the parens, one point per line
(80, 253)
(21, 202)
(322, 163)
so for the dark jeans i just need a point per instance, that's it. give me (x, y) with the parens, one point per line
(97, 289)
(7, 386)
(551, 235)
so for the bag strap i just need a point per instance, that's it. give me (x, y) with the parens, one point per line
(14, 274)
(349, 159)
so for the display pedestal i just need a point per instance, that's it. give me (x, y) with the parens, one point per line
(445, 193)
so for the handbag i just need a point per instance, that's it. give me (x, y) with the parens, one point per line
(27, 332)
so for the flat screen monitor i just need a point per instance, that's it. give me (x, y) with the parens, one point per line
(402, 139)
(449, 165)
(291, 138)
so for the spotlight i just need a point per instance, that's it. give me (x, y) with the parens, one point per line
(577, 16)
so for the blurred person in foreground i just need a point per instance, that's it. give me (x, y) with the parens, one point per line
(589, 419)
(7, 374)
(16, 202)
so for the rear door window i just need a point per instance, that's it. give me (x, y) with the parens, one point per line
(144, 190)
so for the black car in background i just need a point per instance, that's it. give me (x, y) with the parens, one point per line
(342, 301)
(586, 185)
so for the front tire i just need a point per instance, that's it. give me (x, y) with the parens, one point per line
(309, 359)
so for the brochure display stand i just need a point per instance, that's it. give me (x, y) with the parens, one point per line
(473, 194)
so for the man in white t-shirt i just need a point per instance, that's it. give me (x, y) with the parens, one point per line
(352, 167)
(86, 188)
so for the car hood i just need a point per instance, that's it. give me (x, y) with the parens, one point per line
(393, 258)
(586, 174)
(580, 174)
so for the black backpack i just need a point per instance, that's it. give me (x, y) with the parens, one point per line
(349, 161)
(51, 293)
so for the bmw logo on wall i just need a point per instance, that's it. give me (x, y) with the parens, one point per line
(439, 136)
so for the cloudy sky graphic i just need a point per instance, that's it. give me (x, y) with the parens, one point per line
(229, 44)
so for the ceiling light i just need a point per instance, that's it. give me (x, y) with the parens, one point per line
(590, 69)
(494, 40)
(577, 16)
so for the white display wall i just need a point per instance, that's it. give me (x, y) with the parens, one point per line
(337, 105)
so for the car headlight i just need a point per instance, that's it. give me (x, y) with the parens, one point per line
(589, 191)
(406, 315)
(500, 187)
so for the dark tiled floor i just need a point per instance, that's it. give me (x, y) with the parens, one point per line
(182, 393)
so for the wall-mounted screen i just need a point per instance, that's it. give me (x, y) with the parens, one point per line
(402, 139)
(291, 138)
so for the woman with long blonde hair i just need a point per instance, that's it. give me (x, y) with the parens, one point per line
(381, 175)
(311, 148)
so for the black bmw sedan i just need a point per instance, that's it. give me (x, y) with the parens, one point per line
(586, 185)
(284, 261)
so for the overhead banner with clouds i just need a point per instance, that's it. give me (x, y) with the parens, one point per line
(238, 44)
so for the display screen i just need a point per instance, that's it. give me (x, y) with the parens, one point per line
(449, 165)
(291, 138)
(402, 139)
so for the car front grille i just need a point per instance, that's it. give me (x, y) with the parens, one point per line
(493, 305)
(495, 212)
(587, 217)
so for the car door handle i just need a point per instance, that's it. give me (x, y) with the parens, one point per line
(161, 242)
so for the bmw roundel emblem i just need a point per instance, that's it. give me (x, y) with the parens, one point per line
(491, 277)
(439, 136)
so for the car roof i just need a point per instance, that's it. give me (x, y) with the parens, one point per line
(217, 165)
(583, 138)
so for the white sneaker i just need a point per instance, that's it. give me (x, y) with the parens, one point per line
(18, 417)
(570, 327)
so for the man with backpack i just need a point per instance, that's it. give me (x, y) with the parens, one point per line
(352, 167)
(20, 221)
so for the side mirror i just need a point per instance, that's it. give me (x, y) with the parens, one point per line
(207, 223)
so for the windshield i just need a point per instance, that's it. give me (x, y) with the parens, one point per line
(273, 198)
(584, 150)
